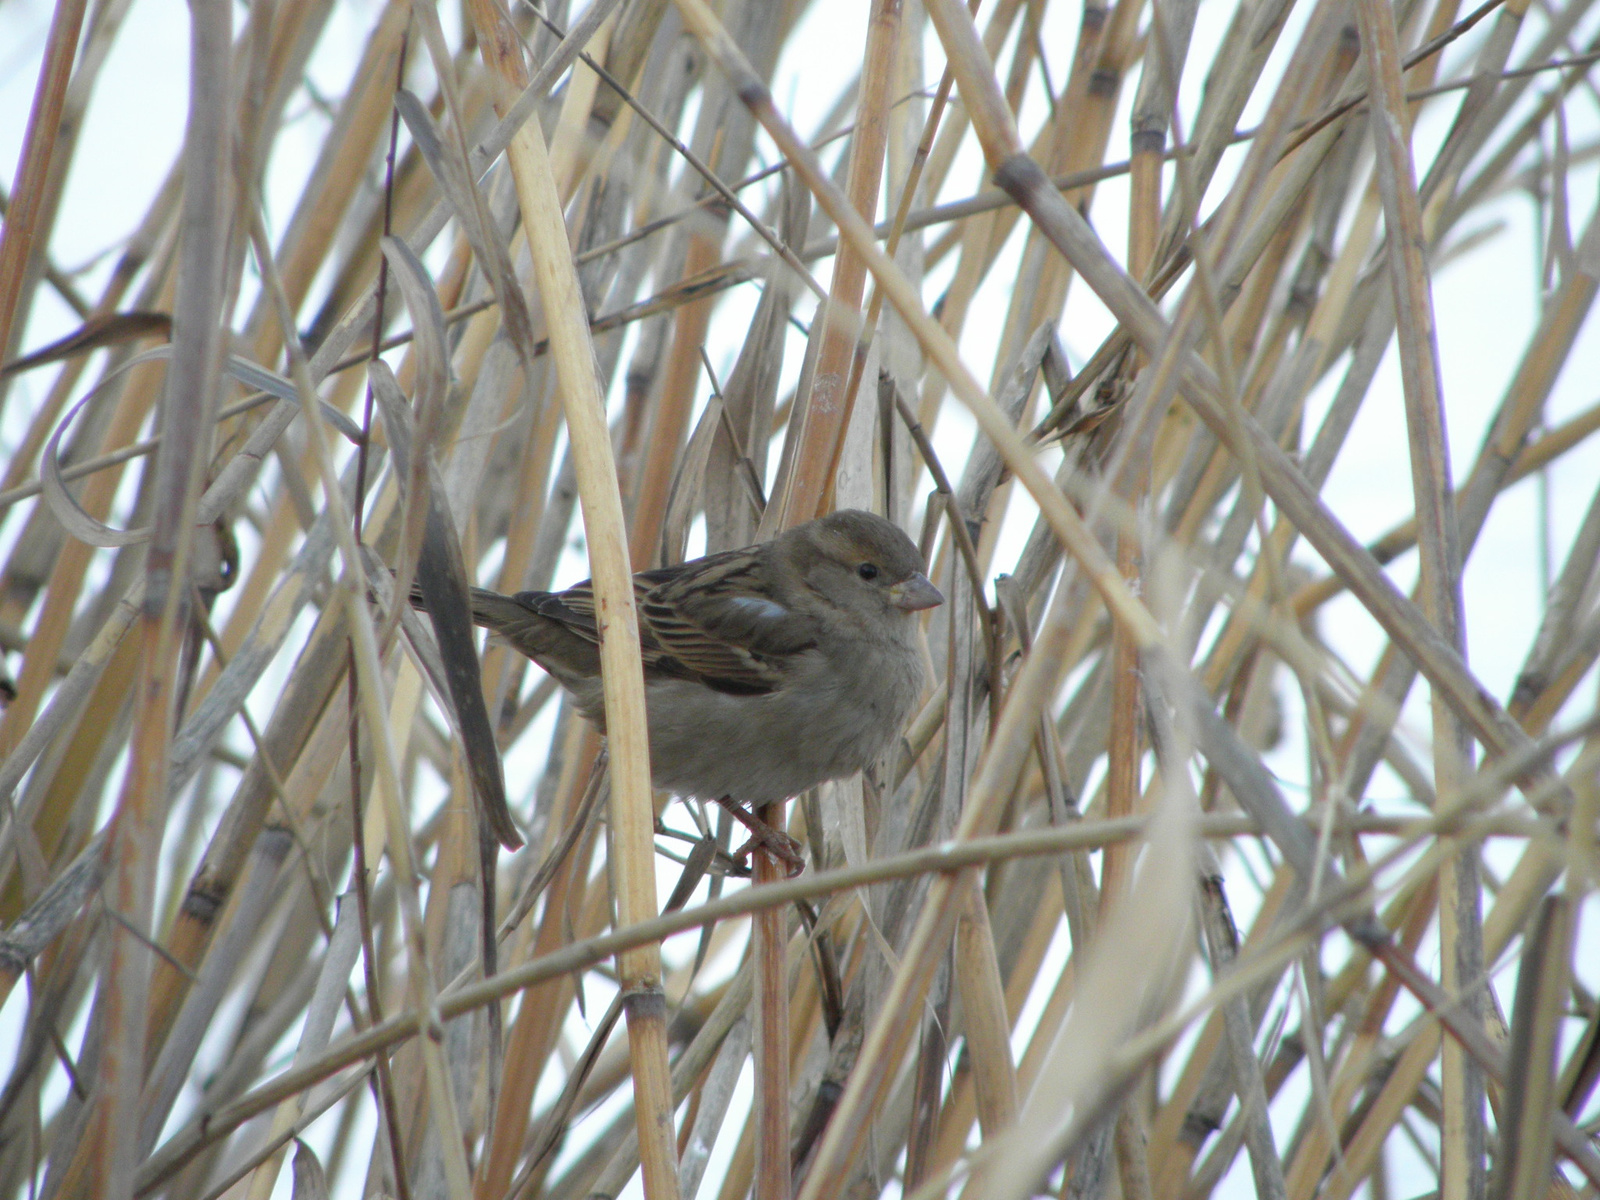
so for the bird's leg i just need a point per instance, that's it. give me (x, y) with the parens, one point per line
(774, 841)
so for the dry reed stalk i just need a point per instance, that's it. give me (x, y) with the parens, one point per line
(770, 1028)
(115, 1133)
(1462, 1153)
(632, 813)
(28, 193)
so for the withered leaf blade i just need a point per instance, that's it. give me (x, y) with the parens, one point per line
(310, 1183)
(441, 580)
(454, 176)
(442, 577)
(108, 329)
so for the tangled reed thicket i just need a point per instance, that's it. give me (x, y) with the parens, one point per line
(541, 274)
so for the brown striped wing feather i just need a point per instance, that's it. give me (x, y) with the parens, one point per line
(712, 620)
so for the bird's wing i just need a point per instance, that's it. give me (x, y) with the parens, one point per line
(711, 620)
(573, 610)
(718, 616)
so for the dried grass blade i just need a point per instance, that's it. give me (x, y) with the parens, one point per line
(168, 1073)
(555, 1123)
(443, 588)
(684, 497)
(82, 524)
(455, 179)
(716, 1093)
(309, 1181)
(207, 720)
(1222, 943)
(108, 329)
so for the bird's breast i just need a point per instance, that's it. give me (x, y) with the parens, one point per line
(832, 715)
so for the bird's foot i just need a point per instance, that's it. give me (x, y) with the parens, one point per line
(774, 841)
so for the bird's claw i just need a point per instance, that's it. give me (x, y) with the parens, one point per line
(778, 844)
(774, 841)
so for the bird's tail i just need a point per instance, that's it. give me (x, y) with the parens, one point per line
(551, 643)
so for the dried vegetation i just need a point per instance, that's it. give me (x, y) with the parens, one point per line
(260, 879)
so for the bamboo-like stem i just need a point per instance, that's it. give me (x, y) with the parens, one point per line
(632, 813)
(771, 1031)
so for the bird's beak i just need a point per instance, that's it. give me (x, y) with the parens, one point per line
(915, 594)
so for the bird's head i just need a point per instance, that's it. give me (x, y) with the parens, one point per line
(863, 565)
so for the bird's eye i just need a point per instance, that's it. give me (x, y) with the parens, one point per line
(867, 571)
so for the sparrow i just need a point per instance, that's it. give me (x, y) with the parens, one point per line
(767, 670)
